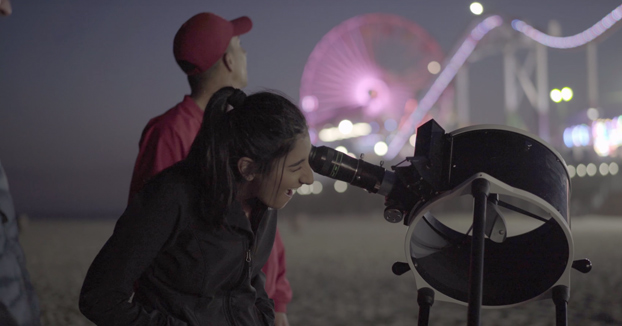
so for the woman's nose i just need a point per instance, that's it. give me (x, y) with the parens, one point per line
(307, 176)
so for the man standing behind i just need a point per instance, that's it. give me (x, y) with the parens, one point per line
(207, 48)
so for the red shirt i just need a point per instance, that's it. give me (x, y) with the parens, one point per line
(165, 141)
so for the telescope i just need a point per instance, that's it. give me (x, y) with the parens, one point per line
(487, 265)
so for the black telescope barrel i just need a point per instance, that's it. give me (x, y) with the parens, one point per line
(337, 165)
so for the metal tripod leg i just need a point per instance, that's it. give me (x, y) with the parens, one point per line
(561, 294)
(425, 299)
(479, 189)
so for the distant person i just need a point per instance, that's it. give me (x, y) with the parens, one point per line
(196, 236)
(19, 305)
(18, 301)
(5, 7)
(207, 48)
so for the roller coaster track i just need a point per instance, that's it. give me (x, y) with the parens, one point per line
(468, 46)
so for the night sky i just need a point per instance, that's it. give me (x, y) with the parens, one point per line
(80, 79)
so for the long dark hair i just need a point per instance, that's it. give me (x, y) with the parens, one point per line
(263, 127)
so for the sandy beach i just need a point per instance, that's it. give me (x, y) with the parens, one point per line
(340, 271)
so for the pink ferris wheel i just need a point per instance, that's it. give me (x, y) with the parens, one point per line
(370, 68)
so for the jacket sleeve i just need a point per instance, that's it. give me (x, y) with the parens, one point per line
(263, 303)
(283, 292)
(160, 147)
(140, 233)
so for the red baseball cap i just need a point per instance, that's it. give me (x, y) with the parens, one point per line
(202, 40)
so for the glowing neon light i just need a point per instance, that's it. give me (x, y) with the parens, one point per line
(467, 47)
(573, 41)
(441, 82)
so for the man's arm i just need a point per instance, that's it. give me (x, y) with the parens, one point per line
(283, 292)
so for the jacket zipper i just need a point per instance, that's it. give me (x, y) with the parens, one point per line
(247, 267)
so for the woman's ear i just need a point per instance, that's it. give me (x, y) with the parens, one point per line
(246, 167)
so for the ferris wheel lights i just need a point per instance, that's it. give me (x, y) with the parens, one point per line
(372, 93)
(567, 94)
(476, 8)
(309, 103)
(434, 67)
(556, 95)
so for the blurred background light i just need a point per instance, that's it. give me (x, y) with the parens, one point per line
(581, 170)
(603, 169)
(381, 148)
(340, 186)
(476, 8)
(591, 169)
(556, 95)
(345, 127)
(434, 67)
(332, 134)
(304, 190)
(592, 113)
(413, 140)
(316, 187)
(390, 125)
(567, 94)
(309, 103)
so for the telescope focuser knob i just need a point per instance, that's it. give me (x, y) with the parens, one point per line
(400, 268)
(582, 265)
(393, 214)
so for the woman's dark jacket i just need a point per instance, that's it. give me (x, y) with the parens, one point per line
(184, 273)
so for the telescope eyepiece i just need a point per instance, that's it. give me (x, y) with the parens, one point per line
(340, 166)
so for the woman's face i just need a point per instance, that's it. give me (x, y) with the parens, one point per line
(289, 173)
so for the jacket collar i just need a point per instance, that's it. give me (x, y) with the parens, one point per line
(236, 218)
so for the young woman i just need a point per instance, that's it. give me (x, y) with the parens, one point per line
(191, 244)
